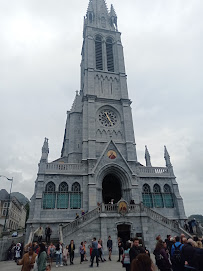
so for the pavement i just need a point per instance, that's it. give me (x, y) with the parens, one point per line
(106, 266)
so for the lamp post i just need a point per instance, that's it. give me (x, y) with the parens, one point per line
(9, 201)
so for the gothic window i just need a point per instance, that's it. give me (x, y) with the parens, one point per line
(109, 53)
(98, 53)
(157, 197)
(75, 196)
(49, 196)
(147, 196)
(62, 197)
(168, 197)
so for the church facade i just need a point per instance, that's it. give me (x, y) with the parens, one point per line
(98, 170)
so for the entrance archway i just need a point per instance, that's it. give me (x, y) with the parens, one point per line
(124, 231)
(111, 189)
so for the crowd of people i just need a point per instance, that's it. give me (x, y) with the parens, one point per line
(172, 254)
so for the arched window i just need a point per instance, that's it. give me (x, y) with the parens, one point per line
(168, 197)
(98, 53)
(62, 197)
(109, 53)
(147, 196)
(75, 196)
(49, 196)
(157, 197)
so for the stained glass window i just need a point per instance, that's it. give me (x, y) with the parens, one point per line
(75, 196)
(168, 197)
(157, 197)
(49, 196)
(147, 196)
(109, 53)
(62, 197)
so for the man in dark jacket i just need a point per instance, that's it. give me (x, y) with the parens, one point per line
(188, 254)
(71, 250)
(110, 246)
(136, 249)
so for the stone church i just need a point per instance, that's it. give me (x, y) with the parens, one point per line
(98, 171)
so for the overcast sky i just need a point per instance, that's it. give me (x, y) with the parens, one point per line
(40, 46)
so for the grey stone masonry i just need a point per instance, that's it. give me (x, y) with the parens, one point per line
(98, 160)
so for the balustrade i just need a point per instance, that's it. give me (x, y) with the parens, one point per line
(153, 170)
(59, 167)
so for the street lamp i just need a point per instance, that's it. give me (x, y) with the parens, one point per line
(11, 180)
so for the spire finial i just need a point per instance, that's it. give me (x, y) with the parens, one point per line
(147, 157)
(167, 157)
(45, 151)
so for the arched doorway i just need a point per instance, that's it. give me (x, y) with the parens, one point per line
(111, 189)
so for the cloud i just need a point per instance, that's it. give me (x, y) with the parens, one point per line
(40, 57)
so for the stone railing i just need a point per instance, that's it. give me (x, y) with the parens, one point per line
(73, 226)
(159, 218)
(64, 168)
(109, 208)
(163, 171)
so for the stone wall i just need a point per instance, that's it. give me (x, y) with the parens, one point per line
(5, 243)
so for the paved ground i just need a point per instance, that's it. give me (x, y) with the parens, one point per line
(106, 266)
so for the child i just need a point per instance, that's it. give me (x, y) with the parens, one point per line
(65, 256)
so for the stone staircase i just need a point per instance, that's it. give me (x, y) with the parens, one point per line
(80, 222)
(139, 209)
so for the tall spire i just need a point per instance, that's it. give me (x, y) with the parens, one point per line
(99, 16)
(147, 157)
(45, 151)
(167, 157)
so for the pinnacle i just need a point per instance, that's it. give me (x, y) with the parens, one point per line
(113, 12)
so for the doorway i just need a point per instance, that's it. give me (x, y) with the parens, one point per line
(124, 233)
(111, 189)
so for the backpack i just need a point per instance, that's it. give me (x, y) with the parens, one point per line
(160, 262)
(176, 258)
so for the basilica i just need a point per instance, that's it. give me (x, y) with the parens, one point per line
(98, 172)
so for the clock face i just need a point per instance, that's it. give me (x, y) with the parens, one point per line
(108, 118)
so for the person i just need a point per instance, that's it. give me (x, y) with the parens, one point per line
(188, 254)
(100, 250)
(42, 258)
(59, 252)
(71, 250)
(51, 253)
(82, 252)
(176, 254)
(85, 252)
(186, 226)
(39, 234)
(48, 232)
(110, 246)
(142, 263)
(28, 260)
(126, 257)
(48, 268)
(120, 249)
(83, 213)
(17, 251)
(65, 256)
(94, 252)
(162, 256)
(76, 216)
(194, 225)
(169, 243)
(135, 249)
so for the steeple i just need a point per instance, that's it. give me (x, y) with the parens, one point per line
(147, 158)
(45, 151)
(99, 16)
(167, 157)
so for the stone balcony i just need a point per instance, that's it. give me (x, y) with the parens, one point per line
(153, 172)
(64, 168)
